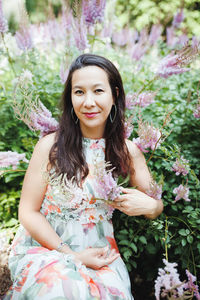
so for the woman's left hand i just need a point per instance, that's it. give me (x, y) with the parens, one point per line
(135, 203)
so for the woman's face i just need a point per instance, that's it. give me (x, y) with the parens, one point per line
(92, 100)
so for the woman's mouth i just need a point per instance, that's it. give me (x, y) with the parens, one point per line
(90, 115)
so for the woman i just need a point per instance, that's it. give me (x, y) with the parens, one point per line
(65, 247)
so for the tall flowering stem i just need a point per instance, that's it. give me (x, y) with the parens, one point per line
(12, 159)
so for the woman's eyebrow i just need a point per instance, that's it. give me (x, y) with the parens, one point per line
(81, 87)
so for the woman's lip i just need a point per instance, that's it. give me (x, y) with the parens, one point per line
(90, 115)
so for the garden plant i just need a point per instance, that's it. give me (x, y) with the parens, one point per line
(161, 76)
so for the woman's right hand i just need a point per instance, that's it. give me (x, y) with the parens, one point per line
(96, 258)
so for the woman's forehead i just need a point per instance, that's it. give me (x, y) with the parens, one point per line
(91, 75)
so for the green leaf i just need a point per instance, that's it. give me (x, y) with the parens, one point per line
(183, 242)
(133, 246)
(190, 239)
(143, 239)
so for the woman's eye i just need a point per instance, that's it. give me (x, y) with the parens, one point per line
(78, 92)
(99, 91)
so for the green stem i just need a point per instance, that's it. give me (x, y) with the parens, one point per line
(8, 54)
(166, 233)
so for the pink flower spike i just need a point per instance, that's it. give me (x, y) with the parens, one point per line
(191, 286)
(196, 113)
(3, 21)
(155, 190)
(80, 34)
(155, 33)
(178, 18)
(174, 62)
(63, 74)
(181, 166)
(93, 11)
(182, 192)
(10, 158)
(144, 99)
(171, 37)
(130, 100)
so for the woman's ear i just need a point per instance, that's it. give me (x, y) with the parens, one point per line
(117, 91)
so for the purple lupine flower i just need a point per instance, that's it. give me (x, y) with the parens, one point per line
(182, 192)
(80, 34)
(155, 190)
(67, 19)
(196, 112)
(190, 286)
(41, 119)
(195, 42)
(181, 166)
(173, 63)
(10, 158)
(171, 37)
(149, 137)
(93, 11)
(178, 18)
(63, 74)
(119, 38)
(3, 21)
(155, 33)
(144, 99)
(107, 30)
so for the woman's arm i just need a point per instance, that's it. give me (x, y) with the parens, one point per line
(33, 191)
(135, 202)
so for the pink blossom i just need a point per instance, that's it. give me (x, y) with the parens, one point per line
(10, 158)
(130, 100)
(149, 137)
(191, 286)
(41, 119)
(171, 37)
(195, 42)
(155, 33)
(181, 166)
(196, 113)
(107, 30)
(178, 18)
(182, 192)
(155, 190)
(63, 74)
(93, 10)
(173, 63)
(128, 127)
(144, 99)
(23, 39)
(183, 40)
(122, 37)
(3, 21)
(138, 50)
(80, 34)
(167, 281)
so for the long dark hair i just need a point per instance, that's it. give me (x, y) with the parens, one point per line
(66, 155)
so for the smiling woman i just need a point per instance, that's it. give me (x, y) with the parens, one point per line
(65, 247)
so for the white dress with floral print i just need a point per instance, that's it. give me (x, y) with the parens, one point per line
(81, 221)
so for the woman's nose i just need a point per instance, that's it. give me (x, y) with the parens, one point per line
(89, 100)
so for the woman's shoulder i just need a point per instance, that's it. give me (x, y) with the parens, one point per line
(44, 145)
(133, 149)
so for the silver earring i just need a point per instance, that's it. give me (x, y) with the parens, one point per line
(112, 119)
(72, 115)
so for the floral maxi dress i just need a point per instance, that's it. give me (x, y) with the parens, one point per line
(82, 222)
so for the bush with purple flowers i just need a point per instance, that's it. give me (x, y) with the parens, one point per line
(162, 118)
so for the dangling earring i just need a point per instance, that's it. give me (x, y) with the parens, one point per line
(112, 119)
(72, 115)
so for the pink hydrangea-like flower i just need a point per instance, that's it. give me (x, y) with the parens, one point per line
(178, 18)
(182, 192)
(181, 166)
(190, 286)
(3, 21)
(93, 10)
(11, 159)
(168, 280)
(155, 190)
(149, 137)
